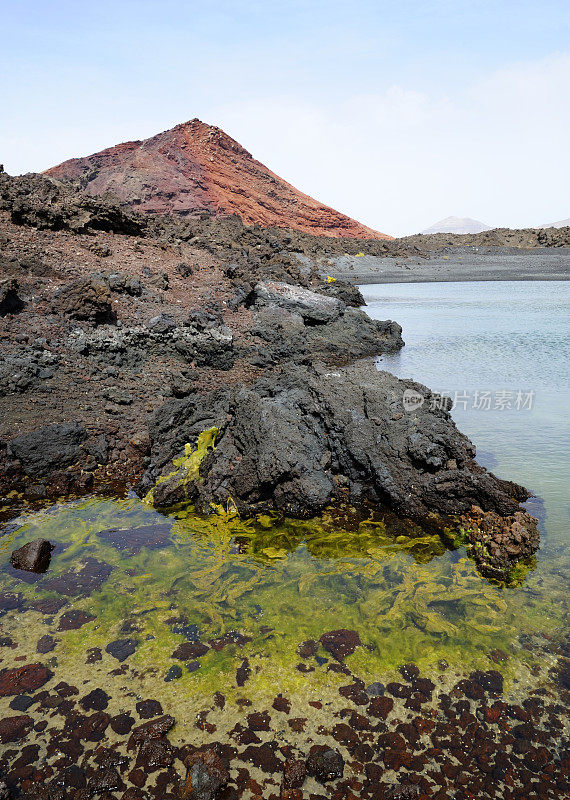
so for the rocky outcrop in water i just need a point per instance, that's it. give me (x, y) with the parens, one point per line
(306, 436)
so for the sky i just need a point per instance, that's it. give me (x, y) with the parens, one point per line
(396, 113)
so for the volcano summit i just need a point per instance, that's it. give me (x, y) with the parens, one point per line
(197, 167)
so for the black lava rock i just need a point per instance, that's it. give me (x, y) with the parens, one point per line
(325, 764)
(33, 557)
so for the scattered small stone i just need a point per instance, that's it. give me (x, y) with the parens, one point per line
(121, 649)
(33, 557)
(308, 648)
(263, 757)
(206, 775)
(22, 702)
(294, 774)
(282, 704)
(409, 672)
(97, 700)
(163, 323)
(190, 650)
(122, 723)
(45, 644)
(119, 396)
(49, 606)
(402, 792)
(340, 643)
(325, 764)
(155, 754)
(173, 674)
(190, 632)
(231, 637)
(13, 729)
(151, 730)
(184, 269)
(23, 679)
(148, 708)
(94, 654)
(243, 672)
(258, 721)
(74, 619)
(105, 780)
(11, 601)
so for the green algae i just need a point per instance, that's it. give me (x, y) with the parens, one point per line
(188, 465)
(277, 582)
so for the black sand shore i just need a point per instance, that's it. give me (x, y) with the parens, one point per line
(453, 264)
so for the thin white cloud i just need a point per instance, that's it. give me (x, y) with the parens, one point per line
(400, 159)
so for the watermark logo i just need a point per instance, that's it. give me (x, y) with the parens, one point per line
(478, 400)
(412, 400)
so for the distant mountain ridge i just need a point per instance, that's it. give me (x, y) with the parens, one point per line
(457, 225)
(563, 223)
(196, 167)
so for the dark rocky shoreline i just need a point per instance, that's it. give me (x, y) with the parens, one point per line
(186, 324)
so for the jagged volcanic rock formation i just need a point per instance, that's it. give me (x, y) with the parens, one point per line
(305, 436)
(197, 167)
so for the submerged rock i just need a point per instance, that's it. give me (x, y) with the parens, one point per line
(23, 679)
(33, 557)
(13, 729)
(121, 649)
(206, 774)
(340, 643)
(294, 773)
(325, 764)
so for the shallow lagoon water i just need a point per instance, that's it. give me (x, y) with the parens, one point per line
(250, 592)
(279, 582)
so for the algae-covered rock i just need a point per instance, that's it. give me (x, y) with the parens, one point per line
(325, 764)
(304, 436)
(183, 484)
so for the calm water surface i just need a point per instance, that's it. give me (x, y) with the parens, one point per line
(483, 343)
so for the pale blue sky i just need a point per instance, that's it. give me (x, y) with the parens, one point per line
(398, 113)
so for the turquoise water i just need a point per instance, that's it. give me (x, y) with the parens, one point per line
(495, 338)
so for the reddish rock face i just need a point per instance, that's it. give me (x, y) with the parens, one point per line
(196, 167)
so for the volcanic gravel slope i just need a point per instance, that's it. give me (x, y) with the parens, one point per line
(197, 167)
